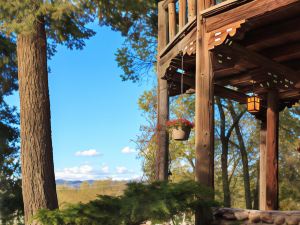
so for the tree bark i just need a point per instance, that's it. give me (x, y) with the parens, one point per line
(244, 156)
(224, 155)
(38, 179)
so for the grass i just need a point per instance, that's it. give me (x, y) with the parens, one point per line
(88, 192)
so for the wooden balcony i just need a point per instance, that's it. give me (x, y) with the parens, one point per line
(231, 49)
(255, 46)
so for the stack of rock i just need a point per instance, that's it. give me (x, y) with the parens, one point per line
(228, 216)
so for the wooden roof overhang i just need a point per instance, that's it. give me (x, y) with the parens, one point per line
(256, 40)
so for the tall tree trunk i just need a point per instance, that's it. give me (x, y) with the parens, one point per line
(38, 179)
(244, 156)
(224, 156)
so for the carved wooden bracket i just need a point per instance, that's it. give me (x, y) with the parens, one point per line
(217, 37)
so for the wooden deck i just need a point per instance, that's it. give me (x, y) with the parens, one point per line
(232, 50)
(252, 41)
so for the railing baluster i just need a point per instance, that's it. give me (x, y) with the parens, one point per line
(162, 26)
(191, 9)
(172, 19)
(182, 13)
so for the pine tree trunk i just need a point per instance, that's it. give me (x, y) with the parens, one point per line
(38, 179)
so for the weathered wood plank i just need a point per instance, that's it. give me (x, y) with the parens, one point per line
(244, 12)
(221, 7)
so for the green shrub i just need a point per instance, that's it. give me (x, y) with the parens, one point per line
(158, 202)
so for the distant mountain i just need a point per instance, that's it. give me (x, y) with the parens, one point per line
(73, 183)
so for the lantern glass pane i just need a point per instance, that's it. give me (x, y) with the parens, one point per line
(253, 104)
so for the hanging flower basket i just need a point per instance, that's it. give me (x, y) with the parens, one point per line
(180, 128)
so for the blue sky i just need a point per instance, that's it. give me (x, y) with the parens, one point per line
(94, 114)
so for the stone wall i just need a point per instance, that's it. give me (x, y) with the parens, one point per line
(227, 216)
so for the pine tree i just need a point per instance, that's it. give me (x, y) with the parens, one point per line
(11, 206)
(39, 26)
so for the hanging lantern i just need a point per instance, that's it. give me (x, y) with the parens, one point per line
(253, 104)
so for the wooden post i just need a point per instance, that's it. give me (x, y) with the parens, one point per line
(162, 156)
(172, 19)
(182, 13)
(191, 9)
(262, 166)
(272, 151)
(204, 120)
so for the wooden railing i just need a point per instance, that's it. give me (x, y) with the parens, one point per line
(174, 15)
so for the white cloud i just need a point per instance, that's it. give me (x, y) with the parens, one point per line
(87, 172)
(84, 172)
(122, 170)
(105, 169)
(91, 152)
(128, 150)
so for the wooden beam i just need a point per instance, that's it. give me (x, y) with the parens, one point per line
(162, 155)
(246, 11)
(272, 151)
(285, 52)
(165, 3)
(263, 166)
(221, 7)
(172, 20)
(290, 94)
(262, 61)
(182, 13)
(273, 35)
(204, 119)
(220, 91)
(224, 92)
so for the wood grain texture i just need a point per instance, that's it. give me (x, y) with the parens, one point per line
(162, 155)
(204, 118)
(182, 14)
(244, 12)
(38, 180)
(272, 151)
(192, 10)
(172, 20)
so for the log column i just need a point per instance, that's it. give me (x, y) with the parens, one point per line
(172, 19)
(204, 120)
(162, 156)
(182, 13)
(262, 166)
(191, 9)
(272, 151)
